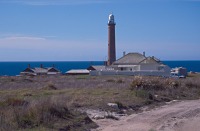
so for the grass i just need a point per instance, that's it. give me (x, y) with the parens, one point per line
(51, 103)
(51, 113)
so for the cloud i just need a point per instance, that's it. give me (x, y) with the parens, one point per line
(24, 38)
(26, 48)
(12, 36)
(54, 2)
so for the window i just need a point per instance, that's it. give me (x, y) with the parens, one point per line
(160, 67)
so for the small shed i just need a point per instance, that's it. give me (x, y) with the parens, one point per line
(179, 71)
(78, 72)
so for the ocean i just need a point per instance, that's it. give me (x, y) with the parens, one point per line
(14, 68)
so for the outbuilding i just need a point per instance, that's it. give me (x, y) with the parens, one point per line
(40, 71)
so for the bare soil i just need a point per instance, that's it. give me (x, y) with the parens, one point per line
(175, 116)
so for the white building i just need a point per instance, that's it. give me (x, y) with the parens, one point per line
(179, 71)
(40, 71)
(135, 64)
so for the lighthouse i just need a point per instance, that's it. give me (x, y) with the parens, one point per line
(111, 40)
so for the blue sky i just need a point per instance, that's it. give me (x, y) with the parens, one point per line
(76, 30)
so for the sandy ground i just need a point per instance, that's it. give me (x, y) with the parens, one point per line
(175, 116)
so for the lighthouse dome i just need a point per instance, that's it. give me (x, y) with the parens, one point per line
(111, 19)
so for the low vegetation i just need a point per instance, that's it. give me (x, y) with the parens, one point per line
(167, 89)
(42, 114)
(54, 103)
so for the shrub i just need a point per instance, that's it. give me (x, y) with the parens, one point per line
(141, 93)
(27, 94)
(120, 81)
(147, 84)
(49, 113)
(50, 86)
(110, 80)
(14, 102)
(28, 80)
(191, 84)
(137, 83)
(154, 83)
(175, 84)
(4, 125)
(120, 105)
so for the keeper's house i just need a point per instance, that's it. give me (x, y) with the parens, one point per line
(135, 64)
(40, 71)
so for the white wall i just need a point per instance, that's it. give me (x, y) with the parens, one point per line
(149, 67)
(131, 73)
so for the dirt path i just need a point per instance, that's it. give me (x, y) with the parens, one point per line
(177, 116)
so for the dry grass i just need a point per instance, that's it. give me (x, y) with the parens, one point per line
(49, 114)
(159, 89)
(50, 103)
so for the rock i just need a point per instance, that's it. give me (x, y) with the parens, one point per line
(27, 94)
(192, 72)
(113, 105)
(110, 115)
(156, 96)
(97, 117)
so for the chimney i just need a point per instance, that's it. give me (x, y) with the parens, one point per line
(41, 66)
(29, 66)
(105, 63)
(124, 53)
(144, 54)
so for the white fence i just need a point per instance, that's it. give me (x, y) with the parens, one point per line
(131, 73)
